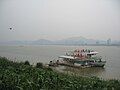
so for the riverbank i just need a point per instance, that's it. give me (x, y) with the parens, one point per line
(23, 76)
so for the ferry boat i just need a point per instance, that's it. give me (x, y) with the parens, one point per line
(83, 57)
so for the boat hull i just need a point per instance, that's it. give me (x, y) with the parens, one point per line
(90, 63)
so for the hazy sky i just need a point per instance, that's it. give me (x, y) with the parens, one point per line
(58, 19)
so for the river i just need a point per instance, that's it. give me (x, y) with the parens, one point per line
(45, 53)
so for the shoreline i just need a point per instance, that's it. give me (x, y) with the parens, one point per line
(14, 75)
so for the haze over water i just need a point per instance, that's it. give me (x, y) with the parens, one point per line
(58, 19)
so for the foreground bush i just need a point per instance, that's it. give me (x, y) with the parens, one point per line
(18, 76)
(39, 65)
(27, 63)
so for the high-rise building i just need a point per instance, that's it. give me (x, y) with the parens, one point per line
(109, 41)
(97, 42)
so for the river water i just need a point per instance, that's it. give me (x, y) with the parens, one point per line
(45, 53)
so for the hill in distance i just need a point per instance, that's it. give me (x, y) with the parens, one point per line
(68, 41)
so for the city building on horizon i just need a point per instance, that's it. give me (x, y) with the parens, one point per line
(109, 41)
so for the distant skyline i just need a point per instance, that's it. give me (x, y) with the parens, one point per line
(59, 19)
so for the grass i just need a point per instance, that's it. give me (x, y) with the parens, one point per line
(23, 76)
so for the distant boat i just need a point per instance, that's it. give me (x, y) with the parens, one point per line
(83, 57)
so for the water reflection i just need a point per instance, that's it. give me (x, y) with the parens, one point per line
(91, 71)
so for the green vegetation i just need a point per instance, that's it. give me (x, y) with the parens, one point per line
(39, 65)
(21, 76)
(27, 63)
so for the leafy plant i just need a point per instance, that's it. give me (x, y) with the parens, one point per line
(21, 76)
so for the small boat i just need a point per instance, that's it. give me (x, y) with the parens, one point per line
(83, 57)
